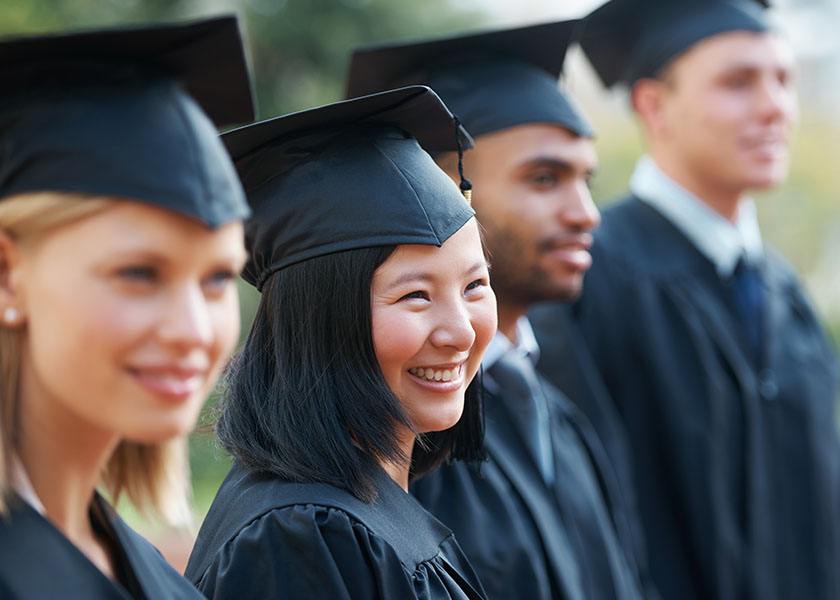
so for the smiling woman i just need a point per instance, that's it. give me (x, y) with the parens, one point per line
(157, 316)
(359, 372)
(429, 309)
(120, 239)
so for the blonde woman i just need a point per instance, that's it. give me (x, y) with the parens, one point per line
(120, 239)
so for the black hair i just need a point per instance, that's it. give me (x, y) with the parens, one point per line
(306, 399)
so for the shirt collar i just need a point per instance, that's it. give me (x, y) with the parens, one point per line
(526, 343)
(722, 242)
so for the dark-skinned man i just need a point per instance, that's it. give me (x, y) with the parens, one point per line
(544, 517)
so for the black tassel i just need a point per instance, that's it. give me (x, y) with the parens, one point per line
(466, 184)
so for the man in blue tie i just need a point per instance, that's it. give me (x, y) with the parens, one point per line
(545, 516)
(722, 382)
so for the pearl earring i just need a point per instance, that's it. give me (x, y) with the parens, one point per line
(10, 315)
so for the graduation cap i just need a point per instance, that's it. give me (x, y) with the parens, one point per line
(348, 175)
(491, 80)
(627, 40)
(128, 113)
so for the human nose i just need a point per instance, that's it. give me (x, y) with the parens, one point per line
(186, 319)
(455, 327)
(777, 100)
(578, 210)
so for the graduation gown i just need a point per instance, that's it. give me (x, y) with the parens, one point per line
(37, 561)
(527, 539)
(565, 361)
(267, 537)
(735, 459)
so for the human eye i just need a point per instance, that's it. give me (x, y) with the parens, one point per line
(135, 278)
(416, 295)
(784, 78)
(543, 178)
(736, 80)
(477, 284)
(218, 281)
(137, 273)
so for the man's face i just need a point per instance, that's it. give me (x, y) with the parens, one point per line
(531, 195)
(728, 106)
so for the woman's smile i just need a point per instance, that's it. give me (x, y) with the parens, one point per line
(439, 378)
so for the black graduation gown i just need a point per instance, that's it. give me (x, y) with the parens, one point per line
(37, 561)
(736, 464)
(565, 361)
(524, 538)
(266, 537)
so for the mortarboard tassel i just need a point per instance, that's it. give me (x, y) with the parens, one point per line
(466, 184)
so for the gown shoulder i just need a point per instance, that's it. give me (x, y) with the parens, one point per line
(312, 540)
(38, 561)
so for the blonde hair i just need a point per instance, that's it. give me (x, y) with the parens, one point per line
(153, 476)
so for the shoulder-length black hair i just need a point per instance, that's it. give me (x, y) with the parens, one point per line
(306, 399)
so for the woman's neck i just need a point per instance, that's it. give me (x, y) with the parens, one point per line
(399, 471)
(64, 459)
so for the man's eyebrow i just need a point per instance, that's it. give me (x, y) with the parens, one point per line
(551, 162)
(548, 161)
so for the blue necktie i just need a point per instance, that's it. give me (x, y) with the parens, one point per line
(517, 379)
(748, 296)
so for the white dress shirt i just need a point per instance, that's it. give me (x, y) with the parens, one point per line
(724, 243)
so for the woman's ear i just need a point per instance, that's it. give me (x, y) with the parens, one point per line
(11, 288)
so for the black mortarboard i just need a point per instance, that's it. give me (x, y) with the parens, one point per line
(627, 40)
(348, 175)
(491, 80)
(124, 113)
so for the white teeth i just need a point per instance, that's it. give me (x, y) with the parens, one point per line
(433, 375)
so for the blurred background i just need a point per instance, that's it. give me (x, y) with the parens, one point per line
(299, 52)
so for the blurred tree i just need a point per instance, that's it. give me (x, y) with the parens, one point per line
(40, 16)
(300, 48)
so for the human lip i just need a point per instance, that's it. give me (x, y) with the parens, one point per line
(442, 378)
(571, 249)
(176, 382)
(768, 146)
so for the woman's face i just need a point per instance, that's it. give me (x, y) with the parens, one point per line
(129, 316)
(433, 316)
